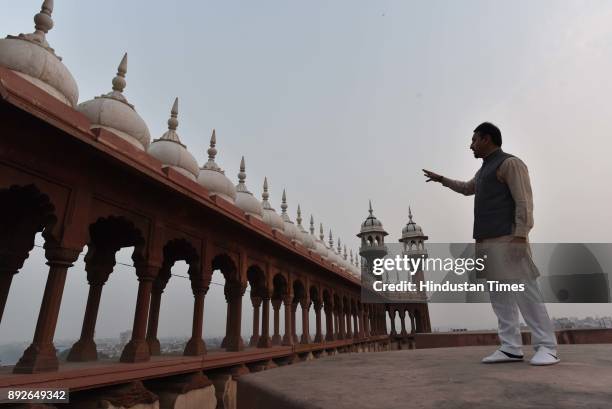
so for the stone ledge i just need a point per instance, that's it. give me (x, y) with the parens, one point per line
(434, 378)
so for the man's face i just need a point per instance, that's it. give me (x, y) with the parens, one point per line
(479, 145)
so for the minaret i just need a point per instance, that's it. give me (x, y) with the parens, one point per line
(413, 240)
(372, 235)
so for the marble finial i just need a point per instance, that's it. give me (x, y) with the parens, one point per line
(241, 187)
(299, 216)
(321, 235)
(171, 134)
(344, 252)
(311, 225)
(119, 80)
(173, 121)
(265, 195)
(43, 22)
(284, 203)
(212, 153)
(331, 241)
(339, 248)
(409, 213)
(370, 210)
(352, 257)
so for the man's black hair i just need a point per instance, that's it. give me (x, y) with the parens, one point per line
(487, 128)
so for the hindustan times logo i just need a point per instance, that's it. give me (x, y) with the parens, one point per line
(459, 266)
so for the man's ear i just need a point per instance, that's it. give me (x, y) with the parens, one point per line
(487, 139)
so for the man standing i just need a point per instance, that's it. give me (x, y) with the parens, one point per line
(503, 217)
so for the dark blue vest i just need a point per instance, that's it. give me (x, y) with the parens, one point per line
(493, 202)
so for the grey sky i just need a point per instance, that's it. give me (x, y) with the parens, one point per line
(345, 101)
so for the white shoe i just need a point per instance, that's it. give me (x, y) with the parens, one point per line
(545, 356)
(501, 356)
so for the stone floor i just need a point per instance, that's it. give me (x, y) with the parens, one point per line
(440, 378)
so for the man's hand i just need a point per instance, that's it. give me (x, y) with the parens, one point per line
(432, 176)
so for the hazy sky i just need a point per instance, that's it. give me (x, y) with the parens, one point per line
(345, 101)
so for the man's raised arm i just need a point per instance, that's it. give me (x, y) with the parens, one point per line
(465, 188)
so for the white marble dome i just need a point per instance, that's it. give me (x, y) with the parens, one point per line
(270, 217)
(171, 152)
(291, 231)
(31, 57)
(411, 229)
(213, 178)
(112, 111)
(371, 224)
(245, 199)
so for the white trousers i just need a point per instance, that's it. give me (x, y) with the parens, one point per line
(506, 306)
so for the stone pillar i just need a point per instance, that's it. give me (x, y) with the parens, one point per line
(137, 350)
(372, 315)
(329, 322)
(412, 323)
(157, 290)
(228, 314)
(276, 338)
(256, 301)
(293, 320)
(336, 323)
(392, 317)
(40, 355)
(319, 335)
(305, 304)
(288, 337)
(264, 339)
(341, 323)
(196, 345)
(152, 326)
(403, 321)
(383, 320)
(360, 318)
(355, 325)
(349, 328)
(98, 271)
(233, 295)
(16, 248)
